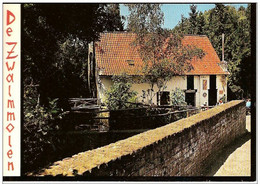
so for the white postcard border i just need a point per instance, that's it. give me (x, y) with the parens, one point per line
(11, 90)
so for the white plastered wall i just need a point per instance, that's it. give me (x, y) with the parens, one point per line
(197, 87)
(221, 86)
(175, 82)
(105, 83)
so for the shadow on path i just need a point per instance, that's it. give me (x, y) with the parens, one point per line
(216, 161)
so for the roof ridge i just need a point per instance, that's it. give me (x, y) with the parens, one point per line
(117, 32)
(195, 35)
(127, 32)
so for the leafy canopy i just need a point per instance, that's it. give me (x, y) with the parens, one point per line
(235, 24)
(55, 42)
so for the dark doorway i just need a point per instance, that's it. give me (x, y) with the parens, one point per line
(164, 99)
(212, 90)
(190, 98)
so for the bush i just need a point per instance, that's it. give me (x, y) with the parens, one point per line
(120, 96)
(178, 97)
(39, 128)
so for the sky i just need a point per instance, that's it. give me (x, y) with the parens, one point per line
(173, 12)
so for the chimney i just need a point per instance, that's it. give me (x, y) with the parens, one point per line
(223, 35)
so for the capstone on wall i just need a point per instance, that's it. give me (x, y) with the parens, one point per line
(182, 148)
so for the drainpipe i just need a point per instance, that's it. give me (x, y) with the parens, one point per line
(200, 90)
(223, 35)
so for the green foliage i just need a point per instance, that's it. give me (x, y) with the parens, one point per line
(178, 97)
(144, 18)
(183, 25)
(133, 99)
(235, 24)
(193, 28)
(55, 43)
(71, 67)
(120, 93)
(55, 50)
(114, 20)
(200, 24)
(39, 126)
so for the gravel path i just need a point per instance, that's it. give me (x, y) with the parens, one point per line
(238, 163)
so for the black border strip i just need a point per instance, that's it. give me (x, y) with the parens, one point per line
(193, 178)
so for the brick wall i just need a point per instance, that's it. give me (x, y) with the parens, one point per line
(178, 149)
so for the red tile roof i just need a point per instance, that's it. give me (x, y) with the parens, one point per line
(115, 49)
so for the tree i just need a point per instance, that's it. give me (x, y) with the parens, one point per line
(52, 34)
(183, 25)
(235, 24)
(161, 50)
(55, 42)
(114, 23)
(120, 96)
(200, 24)
(193, 29)
(192, 25)
(246, 63)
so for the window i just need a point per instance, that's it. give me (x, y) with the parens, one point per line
(130, 62)
(190, 93)
(190, 82)
(164, 98)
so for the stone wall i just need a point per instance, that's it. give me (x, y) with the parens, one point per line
(178, 149)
